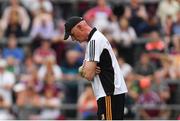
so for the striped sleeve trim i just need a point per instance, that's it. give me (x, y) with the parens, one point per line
(92, 50)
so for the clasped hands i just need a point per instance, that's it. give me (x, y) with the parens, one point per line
(98, 70)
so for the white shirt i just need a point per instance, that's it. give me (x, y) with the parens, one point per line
(165, 8)
(126, 68)
(110, 81)
(6, 78)
(56, 70)
(126, 37)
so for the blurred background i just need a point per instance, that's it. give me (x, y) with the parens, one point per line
(39, 70)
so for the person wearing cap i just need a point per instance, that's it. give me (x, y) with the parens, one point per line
(7, 81)
(100, 67)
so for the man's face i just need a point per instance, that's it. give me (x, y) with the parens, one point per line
(77, 34)
(12, 43)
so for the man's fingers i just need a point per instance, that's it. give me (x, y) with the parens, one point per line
(81, 70)
(98, 67)
(98, 70)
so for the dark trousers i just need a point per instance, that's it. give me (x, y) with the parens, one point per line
(111, 107)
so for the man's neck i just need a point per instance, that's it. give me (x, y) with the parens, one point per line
(88, 31)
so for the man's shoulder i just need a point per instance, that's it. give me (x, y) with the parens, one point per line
(98, 37)
(98, 34)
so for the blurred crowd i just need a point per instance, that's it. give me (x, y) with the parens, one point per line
(39, 77)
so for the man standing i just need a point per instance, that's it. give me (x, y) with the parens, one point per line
(101, 68)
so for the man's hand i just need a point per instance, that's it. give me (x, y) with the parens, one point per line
(88, 70)
(98, 70)
(81, 71)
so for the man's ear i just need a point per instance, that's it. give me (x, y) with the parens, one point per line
(80, 26)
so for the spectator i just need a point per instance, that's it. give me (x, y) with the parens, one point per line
(13, 50)
(12, 66)
(43, 51)
(158, 85)
(14, 27)
(164, 70)
(124, 33)
(15, 19)
(132, 96)
(161, 87)
(4, 110)
(70, 75)
(138, 9)
(99, 15)
(50, 103)
(37, 4)
(125, 67)
(176, 45)
(176, 25)
(175, 58)
(162, 12)
(70, 64)
(148, 97)
(153, 24)
(157, 44)
(139, 16)
(43, 25)
(28, 74)
(141, 21)
(49, 68)
(133, 86)
(7, 81)
(144, 68)
(125, 36)
(87, 105)
(167, 26)
(28, 66)
(27, 101)
(31, 81)
(51, 83)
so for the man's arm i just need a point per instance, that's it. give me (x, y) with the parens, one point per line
(89, 70)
